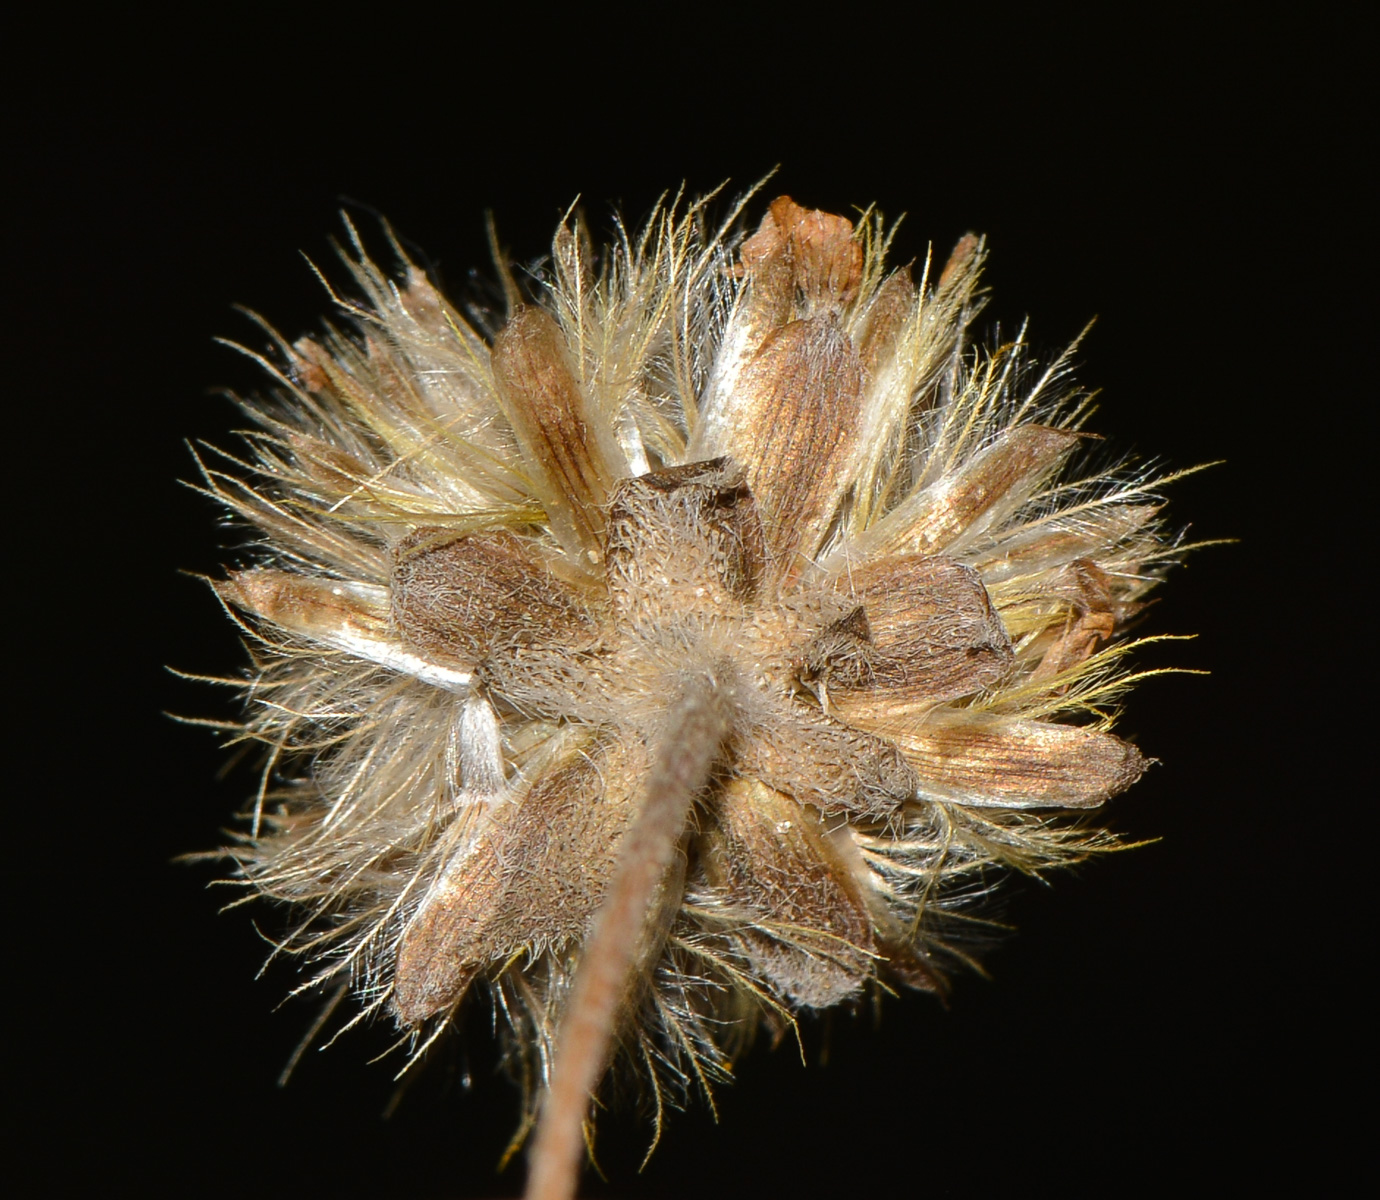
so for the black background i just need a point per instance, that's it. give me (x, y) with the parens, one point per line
(1175, 1013)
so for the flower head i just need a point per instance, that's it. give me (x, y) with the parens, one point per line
(694, 646)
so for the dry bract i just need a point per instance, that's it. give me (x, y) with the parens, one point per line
(696, 646)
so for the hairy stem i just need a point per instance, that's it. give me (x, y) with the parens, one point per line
(695, 733)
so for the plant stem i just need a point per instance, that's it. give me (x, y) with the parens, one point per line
(695, 732)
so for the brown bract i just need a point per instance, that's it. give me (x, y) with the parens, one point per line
(681, 659)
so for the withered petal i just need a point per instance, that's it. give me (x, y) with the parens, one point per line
(886, 316)
(1092, 620)
(1000, 762)
(437, 956)
(685, 539)
(465, 598)
(795, 421)
(1047, 545)
(533, 879)
(960, 260)
(799, 263)
(965, 504)
(769, 857)
(573, 459)
(823, 762)
(927, 632)
(826, 260)
(353, 617)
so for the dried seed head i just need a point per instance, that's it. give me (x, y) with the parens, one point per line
(681, 660)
